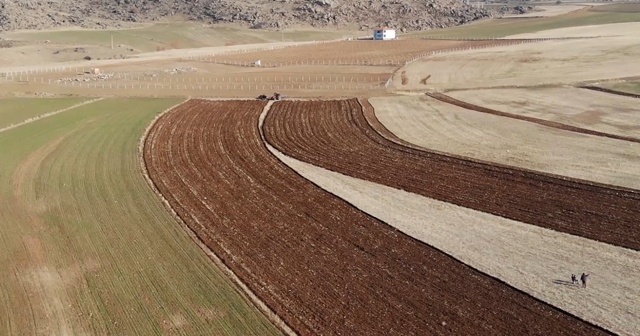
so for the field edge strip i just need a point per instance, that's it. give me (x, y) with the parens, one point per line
(609, 91)
(450, 100)
(251, 297)
(273, 152)
(49, 114)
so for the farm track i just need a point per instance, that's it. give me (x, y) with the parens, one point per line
(322, 265)
(605, 90)
(318, 132)
(450, 100)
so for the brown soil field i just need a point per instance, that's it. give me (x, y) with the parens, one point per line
(544, 122)
(394, 52)
(319, 263)
(316, 132)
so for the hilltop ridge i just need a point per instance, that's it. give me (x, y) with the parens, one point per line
(363, 14)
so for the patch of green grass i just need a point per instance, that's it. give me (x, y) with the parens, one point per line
(630, 87)
(506, 27)
(16, 110)
(87, 248)
(174, 35)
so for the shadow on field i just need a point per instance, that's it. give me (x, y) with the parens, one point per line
(564, 283)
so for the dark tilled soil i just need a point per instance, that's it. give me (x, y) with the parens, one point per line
(336, 135)
(319, 263)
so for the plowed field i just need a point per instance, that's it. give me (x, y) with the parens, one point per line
(336, 135)
(319, 263)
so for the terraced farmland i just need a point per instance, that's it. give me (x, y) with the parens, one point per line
(89, 249)
(322, 265)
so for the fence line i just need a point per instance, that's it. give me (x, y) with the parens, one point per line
(200, 80)
(225, 87)
(361, 61)
(233, 85)
(211, 58)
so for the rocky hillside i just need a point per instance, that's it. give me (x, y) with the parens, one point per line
(401, 14)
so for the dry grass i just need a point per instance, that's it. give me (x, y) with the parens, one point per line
(590, 59)
(577, 107)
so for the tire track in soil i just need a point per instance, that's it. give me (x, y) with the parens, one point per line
(450, 100)
(319, 263)
(337, 136)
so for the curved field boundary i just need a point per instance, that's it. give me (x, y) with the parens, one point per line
(49, 114)
(319, 132)
(450, 100)
(382, 130)
(499, 247)
(193, 235)
(322, 265)
(605, 90)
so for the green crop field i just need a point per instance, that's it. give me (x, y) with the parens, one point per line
(87, 248)
(506, 27)
(17, 110)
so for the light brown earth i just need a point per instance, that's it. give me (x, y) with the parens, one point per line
(219, 80)
(354, 52)
(573, 106)
(533, 64)
(357, 68)
(547, 11)
(447, 128)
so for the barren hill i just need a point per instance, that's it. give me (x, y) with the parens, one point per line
(401, 14)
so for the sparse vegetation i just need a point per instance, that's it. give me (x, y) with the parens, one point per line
(505, 27)
(162, 36)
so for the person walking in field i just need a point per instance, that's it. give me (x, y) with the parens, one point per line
(574, 279)
(583, 278)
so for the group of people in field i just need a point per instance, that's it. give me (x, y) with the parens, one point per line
(583, 279)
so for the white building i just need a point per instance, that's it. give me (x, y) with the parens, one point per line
(384, 34)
